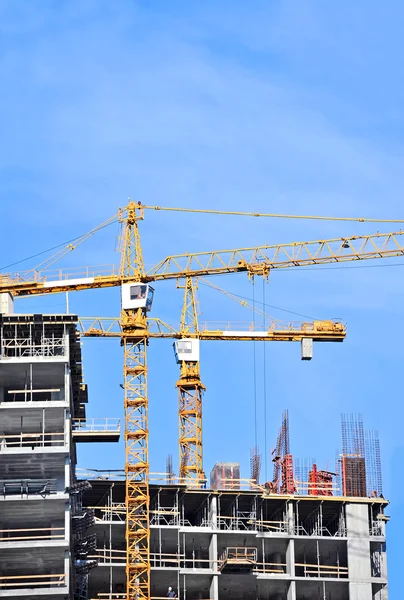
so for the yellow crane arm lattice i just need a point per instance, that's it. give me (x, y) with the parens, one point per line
(293, 331)
(258, 260)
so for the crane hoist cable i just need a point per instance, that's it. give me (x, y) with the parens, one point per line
(265, 390)
(238, 296)
(255, 376)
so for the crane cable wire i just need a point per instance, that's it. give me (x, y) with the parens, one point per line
(58, 245)
(269, 215)
(265, 390)
(255, 378)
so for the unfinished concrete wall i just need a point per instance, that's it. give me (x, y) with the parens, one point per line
(357, 522)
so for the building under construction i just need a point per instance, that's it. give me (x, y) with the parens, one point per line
(307, 534)
(64, 537)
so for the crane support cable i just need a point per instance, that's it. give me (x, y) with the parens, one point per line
(67, 247)
(271, 215)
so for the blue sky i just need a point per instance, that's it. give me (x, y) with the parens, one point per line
(275, 106)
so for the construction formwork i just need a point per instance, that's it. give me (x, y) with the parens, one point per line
(225, 475)
(243, 545)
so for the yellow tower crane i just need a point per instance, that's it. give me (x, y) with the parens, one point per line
(136, 330)
(186, 346)
(190, 391)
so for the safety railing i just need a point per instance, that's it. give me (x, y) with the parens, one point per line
(330, 326)
(32, 440)
(61, 274)
(26, 347)
(238, 556)
(157, 559)
(164, 515)
(236, 523)
(227, 485)
(51, 580)
(270, 568)
(111, 596)
(165, 559)
(96, 425)
(108, 556)
(43, 533)
(27, 487)
(112, 512)
(105, 475)
(376, 529)
(316, 570)
(34, 395)
(272, 526)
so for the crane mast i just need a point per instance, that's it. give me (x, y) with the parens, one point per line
(190, 392)
(134, 341)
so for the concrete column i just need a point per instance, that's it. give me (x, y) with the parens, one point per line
(213, 511)
(383, 562)
(68, 427)
(67, 569)
(67, 521)
(290, 518)
(290, 558)
(6, 304)
(214, 588)
(382, 594)
(67, 347)
(67, 474)
(358, 547)
(292, 591)
(67, 387)
(213, 552)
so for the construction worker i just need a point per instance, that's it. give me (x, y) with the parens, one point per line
(171, 593)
